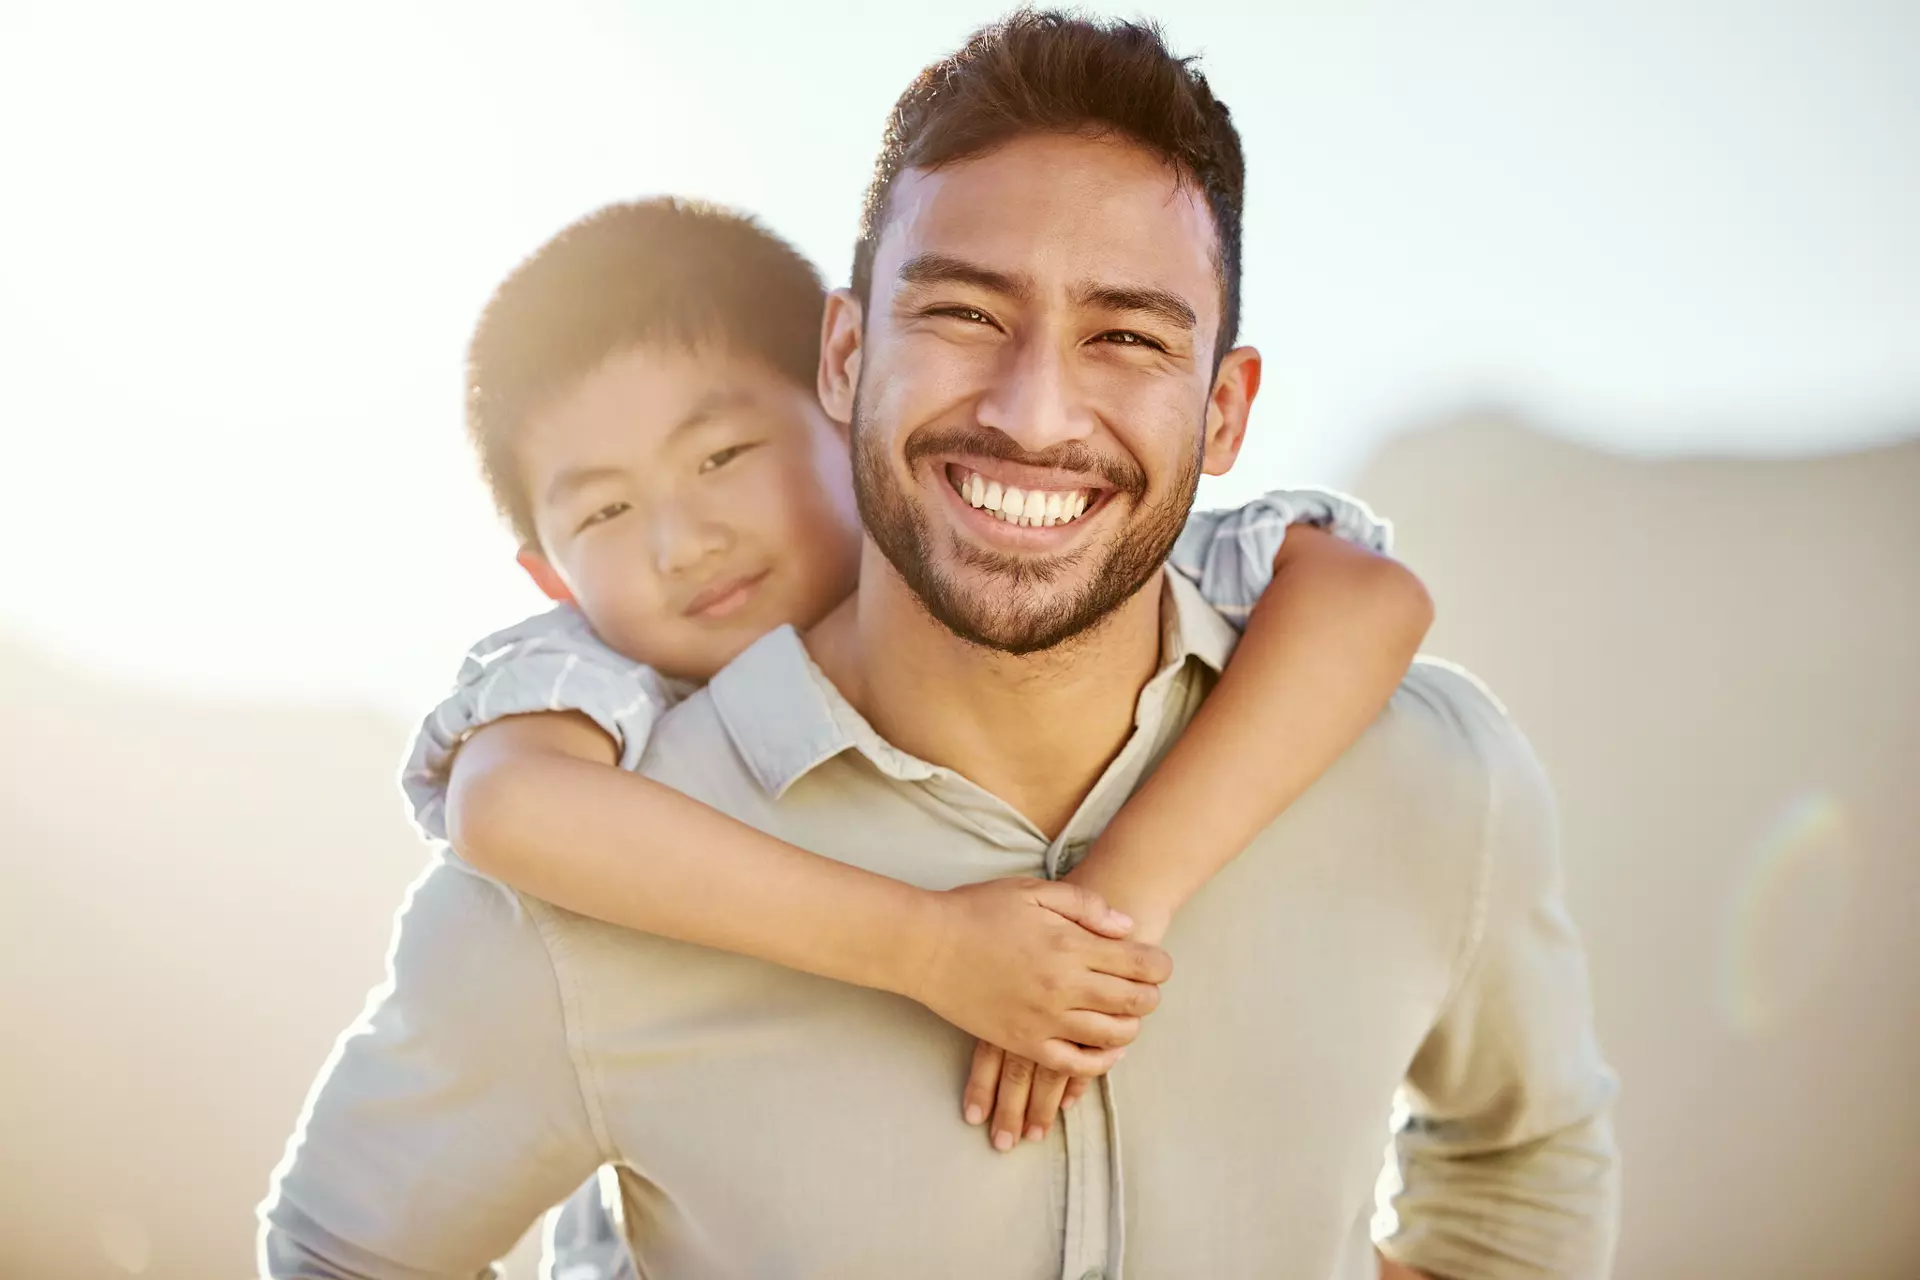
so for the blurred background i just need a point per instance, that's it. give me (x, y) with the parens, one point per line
(1613, 307)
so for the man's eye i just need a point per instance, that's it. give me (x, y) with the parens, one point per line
(1128, 338)
(715, 461)
(972, 315)
(606, 513)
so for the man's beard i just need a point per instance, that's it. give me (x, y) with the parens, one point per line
(1004, 613)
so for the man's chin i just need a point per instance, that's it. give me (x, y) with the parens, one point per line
(1020, 607)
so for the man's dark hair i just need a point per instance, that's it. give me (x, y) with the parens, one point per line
(1051, 72)
(664, 272)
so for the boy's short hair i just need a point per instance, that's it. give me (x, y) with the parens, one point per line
(1053, 72)
(662, 272)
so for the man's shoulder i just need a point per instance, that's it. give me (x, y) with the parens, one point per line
(1454, 733)
(1451, 702)
(1445, 753)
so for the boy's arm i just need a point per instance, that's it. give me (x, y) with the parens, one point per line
(1323, 651)
(534, 800)
(1332, 630)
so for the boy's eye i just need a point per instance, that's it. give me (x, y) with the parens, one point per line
(715, 461)
(606, 513)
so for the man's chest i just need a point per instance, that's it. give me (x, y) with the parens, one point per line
(788, 1125)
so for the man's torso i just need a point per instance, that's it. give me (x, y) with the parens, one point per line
(770, 1123)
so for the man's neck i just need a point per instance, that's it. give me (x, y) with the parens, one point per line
(1036, 730)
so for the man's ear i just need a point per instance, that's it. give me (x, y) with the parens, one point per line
(840, 336)
(1228, 406)
(544, 575)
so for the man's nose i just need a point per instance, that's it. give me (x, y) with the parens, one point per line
(683, 538)
(1036, 399)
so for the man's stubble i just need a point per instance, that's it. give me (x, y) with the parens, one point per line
(1007, 613)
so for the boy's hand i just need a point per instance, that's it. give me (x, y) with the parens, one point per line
(1023, 1098)
(1042, 968)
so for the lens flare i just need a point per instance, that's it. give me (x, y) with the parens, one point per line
(1787, 914)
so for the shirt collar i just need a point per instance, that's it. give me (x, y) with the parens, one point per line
(786, 718)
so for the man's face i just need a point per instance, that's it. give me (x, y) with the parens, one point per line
(1035, 392)
(689, 502)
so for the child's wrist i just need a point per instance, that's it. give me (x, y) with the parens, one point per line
(1151, 905)
(911, 934)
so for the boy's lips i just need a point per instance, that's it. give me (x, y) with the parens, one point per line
(713, 603)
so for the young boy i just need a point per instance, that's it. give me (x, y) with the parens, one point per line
(641, 394)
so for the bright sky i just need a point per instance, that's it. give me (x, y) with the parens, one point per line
(241, 247)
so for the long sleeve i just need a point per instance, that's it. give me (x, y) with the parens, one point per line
(1504, 1164)
(449, 1116)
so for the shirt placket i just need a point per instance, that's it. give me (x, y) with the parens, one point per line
(1096, 1173)
(1094, 1246)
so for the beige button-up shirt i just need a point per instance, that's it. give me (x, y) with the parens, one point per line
(1397, 935)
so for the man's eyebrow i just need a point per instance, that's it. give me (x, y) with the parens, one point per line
(1170, 307)
(942, 268)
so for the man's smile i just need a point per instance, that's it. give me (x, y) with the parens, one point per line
(1022, 507)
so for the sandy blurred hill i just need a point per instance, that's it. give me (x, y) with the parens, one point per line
(1715, 659)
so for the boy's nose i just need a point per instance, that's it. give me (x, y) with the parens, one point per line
(682, 540)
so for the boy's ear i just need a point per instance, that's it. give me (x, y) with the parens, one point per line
(840, 336)
(1228, 406)
(544, 576)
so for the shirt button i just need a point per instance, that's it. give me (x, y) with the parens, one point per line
(1094, 1274)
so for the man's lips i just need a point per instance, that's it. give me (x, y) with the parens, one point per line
(1003, 530)
(723, 598)
(1024, 497)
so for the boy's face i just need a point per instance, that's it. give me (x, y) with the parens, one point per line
(688, 502)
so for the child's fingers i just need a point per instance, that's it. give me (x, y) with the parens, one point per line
(1076, 1085)
(977, 1099)
(1084, 907)
(1078, 1059)
(1010, 1106)
(1096, 1030)
(1043, 1105)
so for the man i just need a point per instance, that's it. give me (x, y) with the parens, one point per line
(1045, 293)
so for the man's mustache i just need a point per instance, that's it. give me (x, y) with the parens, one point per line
(1122, 474)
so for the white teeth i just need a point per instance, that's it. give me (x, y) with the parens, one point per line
(1029, 508)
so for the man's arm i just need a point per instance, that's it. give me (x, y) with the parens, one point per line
(1506, 1165)
(449, 1117)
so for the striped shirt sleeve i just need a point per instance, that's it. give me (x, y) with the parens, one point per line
(1229, 553)
(550, 662)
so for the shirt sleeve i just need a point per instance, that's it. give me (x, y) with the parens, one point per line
(1503, 1163)
(449, 1116)
(1229, 553)
(550, 662)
